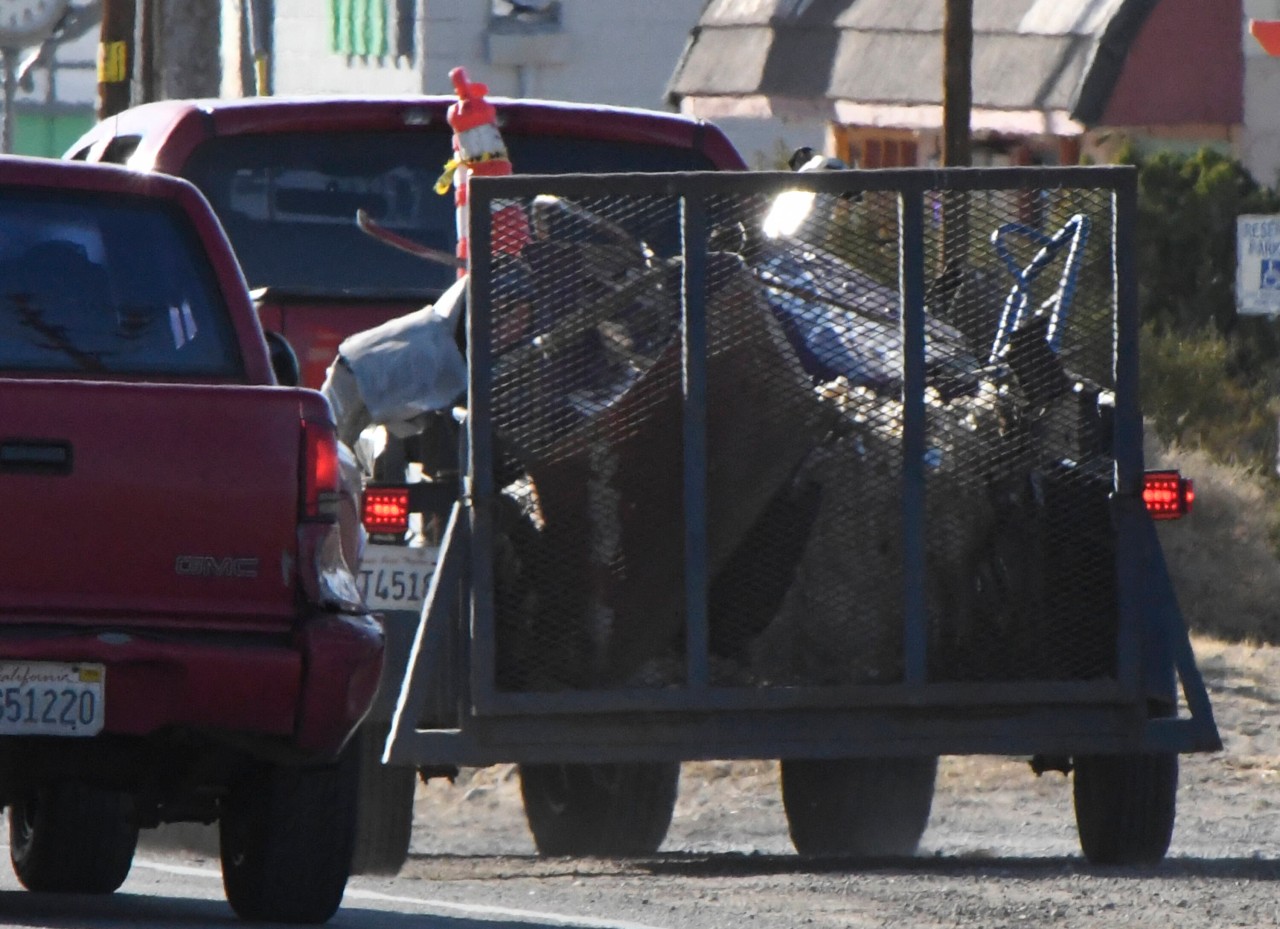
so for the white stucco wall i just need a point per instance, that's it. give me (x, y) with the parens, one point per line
(619, 52)
(303, 60)
(1260, 140)
(614, 51)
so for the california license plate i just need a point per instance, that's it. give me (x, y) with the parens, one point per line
(48, 698)
(396, 577)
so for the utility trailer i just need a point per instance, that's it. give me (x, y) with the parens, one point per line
(851, 491)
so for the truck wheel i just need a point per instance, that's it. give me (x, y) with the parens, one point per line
(599, 810)
(287, 834)
(864, 807)
(1125, 806)
(384, 808)
(72, 839)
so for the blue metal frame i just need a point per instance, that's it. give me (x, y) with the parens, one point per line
(485, 725)
(1073, 235)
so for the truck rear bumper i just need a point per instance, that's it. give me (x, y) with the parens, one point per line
(342, 664)
(309, 692)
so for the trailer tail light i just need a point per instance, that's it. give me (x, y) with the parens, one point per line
(320, 489)
(386, 510)
(1167, 494)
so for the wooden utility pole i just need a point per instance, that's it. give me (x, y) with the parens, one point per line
(957, 82)
(957, 106)
(115, 56)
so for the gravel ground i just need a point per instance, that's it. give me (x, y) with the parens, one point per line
(1000, 850)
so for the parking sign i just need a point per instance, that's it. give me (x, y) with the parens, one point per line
(1258, 265)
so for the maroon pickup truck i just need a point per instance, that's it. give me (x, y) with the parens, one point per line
(286, 177)
(180, 639)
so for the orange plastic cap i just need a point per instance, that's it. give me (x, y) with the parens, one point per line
(472, 109)
(1267, 32)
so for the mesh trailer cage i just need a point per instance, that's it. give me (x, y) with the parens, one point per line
(785, 440)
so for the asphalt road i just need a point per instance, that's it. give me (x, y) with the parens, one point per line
(179, 892)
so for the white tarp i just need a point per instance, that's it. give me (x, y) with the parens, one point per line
(408, 366)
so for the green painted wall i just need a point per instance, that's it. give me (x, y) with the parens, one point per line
(48, 134)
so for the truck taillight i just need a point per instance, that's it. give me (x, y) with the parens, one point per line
(1167, 494)
(386, 510)
(319, 472)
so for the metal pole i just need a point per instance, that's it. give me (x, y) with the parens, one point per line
(259, 21)
(914, 426)
(9, 61)
(693, 286)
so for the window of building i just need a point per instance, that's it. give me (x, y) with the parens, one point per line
(526, 10)
(360, 27)
(374, 28)
(876, 148)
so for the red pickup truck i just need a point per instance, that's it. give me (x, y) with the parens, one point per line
(286, 177)
(180, 639)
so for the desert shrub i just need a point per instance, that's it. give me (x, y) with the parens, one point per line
(1210, 376)
(1222, 558)
(1191, 400)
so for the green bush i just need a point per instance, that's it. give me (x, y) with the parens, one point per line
(1210, 377)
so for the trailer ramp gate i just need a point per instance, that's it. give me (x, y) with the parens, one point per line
(851, 470)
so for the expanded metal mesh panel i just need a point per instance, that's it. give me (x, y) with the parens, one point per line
(1021, 577)
(586, 410)
(810, 447)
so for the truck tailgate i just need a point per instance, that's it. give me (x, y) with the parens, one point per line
(150, 502)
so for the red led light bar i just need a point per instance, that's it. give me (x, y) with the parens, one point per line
(386, 509)
(1167, 494)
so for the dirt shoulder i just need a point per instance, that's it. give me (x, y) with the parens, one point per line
(1001, 848)
(984, 806)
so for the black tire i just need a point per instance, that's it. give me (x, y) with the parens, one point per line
(1125, 806)
(858, 807)
(599, 810)
(286, 835)
(384, 808)
(72, 839)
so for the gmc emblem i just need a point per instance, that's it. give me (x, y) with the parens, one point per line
(208, 566)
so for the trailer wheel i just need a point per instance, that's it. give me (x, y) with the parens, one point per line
(860, 807)
(384, 808)
(72, 838)
(1125, 806)
(287, 834)
(599, 810)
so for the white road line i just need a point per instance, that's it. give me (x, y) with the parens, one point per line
(472, 909)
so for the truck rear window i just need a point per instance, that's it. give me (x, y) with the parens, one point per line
(288, 200)
(108, 284)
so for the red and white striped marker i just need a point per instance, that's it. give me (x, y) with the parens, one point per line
(478, 149)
